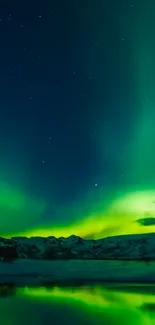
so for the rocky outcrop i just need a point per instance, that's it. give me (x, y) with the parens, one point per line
(127, 247)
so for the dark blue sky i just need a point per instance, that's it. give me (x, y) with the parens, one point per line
(66, 98)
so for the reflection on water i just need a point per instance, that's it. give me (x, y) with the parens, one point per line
(89, 304)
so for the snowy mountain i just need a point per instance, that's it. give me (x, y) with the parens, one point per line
(127, 247)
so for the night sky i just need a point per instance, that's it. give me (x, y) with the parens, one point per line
(77, 117)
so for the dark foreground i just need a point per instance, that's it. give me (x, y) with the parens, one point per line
(38, 272)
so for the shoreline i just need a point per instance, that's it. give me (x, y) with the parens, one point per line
(39, 272)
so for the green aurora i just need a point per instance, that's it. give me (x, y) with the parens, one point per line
(116, 212)
(117, 217)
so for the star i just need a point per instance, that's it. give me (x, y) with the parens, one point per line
(10, 17)
(96, 185)
(49, 140)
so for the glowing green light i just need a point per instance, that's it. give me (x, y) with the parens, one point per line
(118, 218)
(117, 306)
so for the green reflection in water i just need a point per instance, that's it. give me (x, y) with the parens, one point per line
(115, 306)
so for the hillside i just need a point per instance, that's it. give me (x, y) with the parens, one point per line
(127, 247)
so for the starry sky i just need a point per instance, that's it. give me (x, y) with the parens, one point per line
(77, 117)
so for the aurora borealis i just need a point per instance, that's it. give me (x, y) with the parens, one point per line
(77, 123)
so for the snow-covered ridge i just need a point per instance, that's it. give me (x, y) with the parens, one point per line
(127, 247)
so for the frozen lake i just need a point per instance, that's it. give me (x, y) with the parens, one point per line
(37, 271)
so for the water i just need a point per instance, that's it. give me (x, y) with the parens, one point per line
(82, 305)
